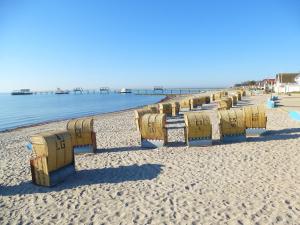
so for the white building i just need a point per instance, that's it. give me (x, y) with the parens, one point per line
(287, 83)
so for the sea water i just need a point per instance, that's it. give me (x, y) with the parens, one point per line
(23, 110)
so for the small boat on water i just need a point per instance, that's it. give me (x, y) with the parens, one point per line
(61, 92)
(125, 91)
(22, 92)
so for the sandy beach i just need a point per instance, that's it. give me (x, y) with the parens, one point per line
(255, 182)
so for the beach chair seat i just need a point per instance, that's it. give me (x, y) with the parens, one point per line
(195, 102)
(53, 158)
(212, 97)
(217, 96)
(224, 104)
(154, 108)
(198, 129)
(165, 108)
(175, 109)
(239, 95)
(83, 135)
(255, 119)
(153, 132)
(185, 105)
(234, 100)
(224, 93)
(232, 125)
(207, 99)
(243, 92)
(138, 113)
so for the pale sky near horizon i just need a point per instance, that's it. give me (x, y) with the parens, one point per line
(90, 44)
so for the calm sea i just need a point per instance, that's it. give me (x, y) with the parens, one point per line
(18, 111)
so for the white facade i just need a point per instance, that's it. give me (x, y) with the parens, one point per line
(287, 87)
(297, 79)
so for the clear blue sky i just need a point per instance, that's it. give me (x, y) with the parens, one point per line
(59, 43)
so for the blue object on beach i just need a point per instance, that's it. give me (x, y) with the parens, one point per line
(83, 149)
(295, 115)
(29, 147)
(271, 104)
(274, 98)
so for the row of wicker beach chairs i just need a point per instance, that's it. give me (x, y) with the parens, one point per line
(52, 159)
(234, 123)
(53, 152)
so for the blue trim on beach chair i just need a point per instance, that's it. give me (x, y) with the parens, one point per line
(234, 138)
(83, 149)
(255, 131)
(29, 147)
(199, 142)
(146, 143)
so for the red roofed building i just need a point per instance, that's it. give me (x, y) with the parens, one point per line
(267, 84)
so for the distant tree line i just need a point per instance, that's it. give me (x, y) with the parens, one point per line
(246, 83)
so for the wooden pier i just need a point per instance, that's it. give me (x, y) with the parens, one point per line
(157, 90)
(78, 90)
(169, 91)
(104, 90)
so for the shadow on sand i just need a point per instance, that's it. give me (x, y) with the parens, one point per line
(283, 131)
(176, 144)
(271, 135)
(88, 177)
(120, 149)
(284, 134)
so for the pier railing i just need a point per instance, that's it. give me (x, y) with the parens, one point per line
(157, 91)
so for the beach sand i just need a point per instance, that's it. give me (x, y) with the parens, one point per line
(254, 182)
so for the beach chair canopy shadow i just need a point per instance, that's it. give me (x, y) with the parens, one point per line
(284, 134)
(89, 177)
(120, 149)
(176, 144)
(282, 131)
